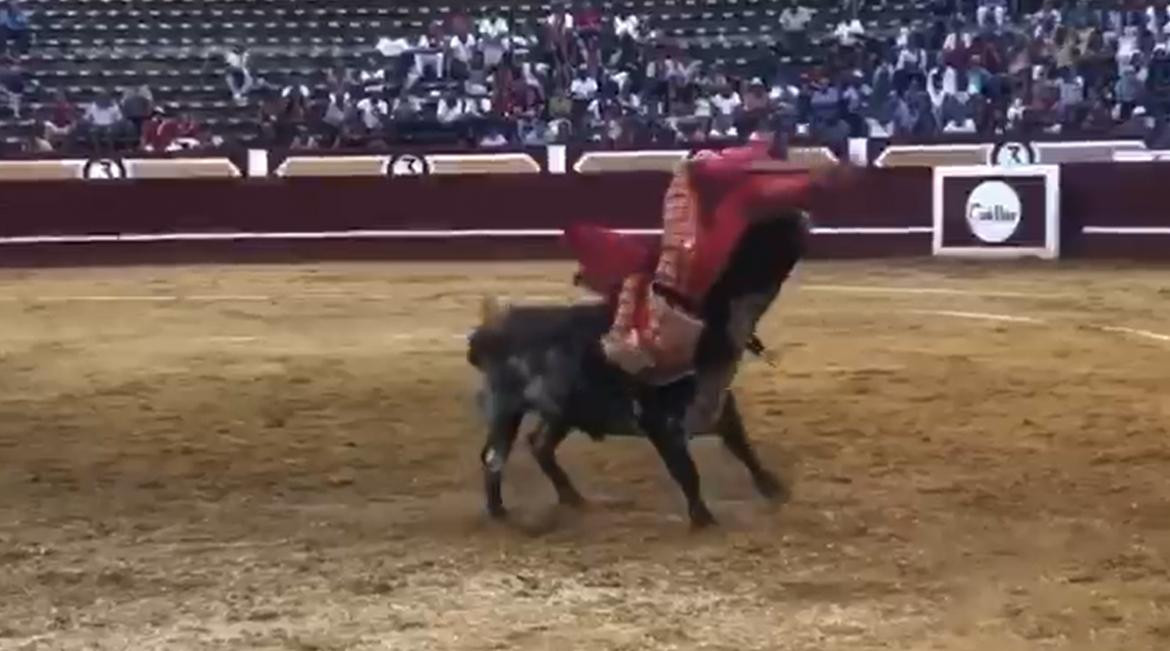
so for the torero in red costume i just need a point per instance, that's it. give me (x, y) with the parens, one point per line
(711, 201)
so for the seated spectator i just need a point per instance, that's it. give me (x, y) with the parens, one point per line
(163, 133)
(560, 107)
(534, 132)
(339, 109)
(477, 106)
(103, 120)
(373, 111)
(394, 49)
(562, 19)
(1071, 105)
(450, 109)
(15, 29)
(372, 77)
(137, 105)
(1128, 92)
(405, 107)
(36, 144)
(476, 80)
(493, 38)
(61, 120)
(588, 23)
(493, 139)
(428, 55)
(727, 104)
(460, 48)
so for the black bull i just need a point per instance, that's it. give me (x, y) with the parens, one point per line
(547, 360)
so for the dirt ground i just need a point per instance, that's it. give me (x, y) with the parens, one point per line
(286, 458)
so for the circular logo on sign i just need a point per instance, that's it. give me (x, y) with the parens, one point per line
(407, 165)
(993, 211)
(101, 169)
(1011, 154)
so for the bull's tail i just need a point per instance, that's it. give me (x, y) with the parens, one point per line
(491, 311)
(487, 338)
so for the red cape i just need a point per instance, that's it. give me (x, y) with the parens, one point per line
(608, 257)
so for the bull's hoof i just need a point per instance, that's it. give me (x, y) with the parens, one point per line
(702, 519)
(497, 512)
(771, 488)
(572, 500)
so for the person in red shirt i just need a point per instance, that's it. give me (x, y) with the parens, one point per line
(160, 132)
(61, 119)
(588, 21)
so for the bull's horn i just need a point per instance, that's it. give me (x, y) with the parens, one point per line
(491, 311)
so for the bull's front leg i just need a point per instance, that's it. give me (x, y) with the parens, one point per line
(502, 429)
(663, 425)
(672, 447)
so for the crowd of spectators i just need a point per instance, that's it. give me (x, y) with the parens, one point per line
(974, 66)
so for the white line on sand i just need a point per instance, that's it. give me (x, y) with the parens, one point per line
(876, 289)
(232, 339)
(982, 316)
(1157, 336)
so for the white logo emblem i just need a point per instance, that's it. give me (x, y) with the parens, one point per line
(101, 169)
(1011, 154)
(408, 165)
(993, 211)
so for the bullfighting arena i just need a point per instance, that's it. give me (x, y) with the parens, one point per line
(285, 457)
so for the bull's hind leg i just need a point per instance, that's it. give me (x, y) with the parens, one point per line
(543, 442)
(501, 434)
(734, 435)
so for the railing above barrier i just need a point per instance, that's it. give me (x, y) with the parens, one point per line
(551, 159)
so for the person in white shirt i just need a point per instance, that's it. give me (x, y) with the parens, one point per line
(583, 88)
(373, 111)
(295, 89)
(450, 109)
(727, 102)
(392, 48)
(477, 107)
(626, 26)
(461, 47)
(428, 56)
(493, 139)
(1127, 45)
(794, 20)
(337, 111)
(373, 77)
(912, 58)
(562, 18)
(104, 112)
(104, 119)
(849, 32)
(493, 39)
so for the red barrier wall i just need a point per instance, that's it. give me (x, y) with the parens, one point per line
(888, 214)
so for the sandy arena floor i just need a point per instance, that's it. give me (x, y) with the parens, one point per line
(285, 458)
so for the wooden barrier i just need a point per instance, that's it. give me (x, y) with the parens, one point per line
(1108, 209)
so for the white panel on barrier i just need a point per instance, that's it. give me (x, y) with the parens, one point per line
(984, 211)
